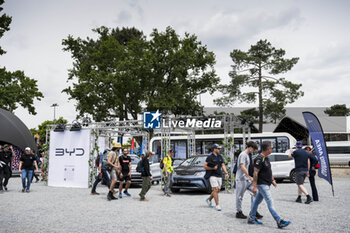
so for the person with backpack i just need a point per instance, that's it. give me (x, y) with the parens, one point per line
(146, 175)
(168, 172)
(101, 163)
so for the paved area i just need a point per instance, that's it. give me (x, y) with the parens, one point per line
(50, 209)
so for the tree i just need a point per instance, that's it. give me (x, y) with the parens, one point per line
(338, 110)
(249, 70)
(15, 87)
(181, 69)
(121, 72)
(250, 115)
(109, 83)
(41, 131)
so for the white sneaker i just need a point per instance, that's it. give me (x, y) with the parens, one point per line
(218, 208)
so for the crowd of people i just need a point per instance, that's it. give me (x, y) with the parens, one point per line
(255, 176)
(252, 175)
(27, 165)
(113, 167)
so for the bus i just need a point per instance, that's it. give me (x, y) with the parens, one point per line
(281, 143)
(339, 152)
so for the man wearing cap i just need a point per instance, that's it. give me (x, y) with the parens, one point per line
(5, 165)
(302, 169)
(102, 171)
(26, 169)
(215, 163)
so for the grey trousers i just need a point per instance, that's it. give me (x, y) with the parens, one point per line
(241, 187)
(167, 183)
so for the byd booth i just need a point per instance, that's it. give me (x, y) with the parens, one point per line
(72, 153)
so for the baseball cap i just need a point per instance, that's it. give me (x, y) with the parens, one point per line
(27, 148)
(215, 146)
(6, 145)
(299, 144)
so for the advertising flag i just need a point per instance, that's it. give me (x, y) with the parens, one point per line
(132, 146)
(316, 134)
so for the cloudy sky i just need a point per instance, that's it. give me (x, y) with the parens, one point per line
(315, 31)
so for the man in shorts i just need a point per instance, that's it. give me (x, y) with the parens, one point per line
(125, 172)
(112, 168)
(302, 169)
(215, 164)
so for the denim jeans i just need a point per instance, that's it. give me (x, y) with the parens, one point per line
(264, 193)
(167, 183)
(26, 174)
(106, 176)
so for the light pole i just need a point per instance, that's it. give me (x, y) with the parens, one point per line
(54, 110)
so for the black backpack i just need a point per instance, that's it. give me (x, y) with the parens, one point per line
(139, 166)
(161, 164)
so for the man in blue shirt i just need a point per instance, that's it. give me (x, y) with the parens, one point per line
(302, 169)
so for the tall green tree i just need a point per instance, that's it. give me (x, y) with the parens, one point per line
(256, 70)
(181, 69)
(121, 72)
(338, 110)
(108, 78)
(16, 89)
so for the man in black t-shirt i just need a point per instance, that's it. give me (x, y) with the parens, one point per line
(262, 181)
(26, 169)
(125, 172)
(214, 164)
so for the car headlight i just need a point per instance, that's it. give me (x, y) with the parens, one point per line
(199, 173)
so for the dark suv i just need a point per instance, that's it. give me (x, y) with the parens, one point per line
(190, 175)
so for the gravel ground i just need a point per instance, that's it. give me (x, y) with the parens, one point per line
(49, 209)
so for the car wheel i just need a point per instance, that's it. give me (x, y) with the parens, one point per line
(175, 190)
(292, 176)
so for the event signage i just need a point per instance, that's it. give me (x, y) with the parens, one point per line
(153, 120)
(316, 134)
(69, 158)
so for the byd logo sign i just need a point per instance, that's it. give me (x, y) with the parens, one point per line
(70, 152)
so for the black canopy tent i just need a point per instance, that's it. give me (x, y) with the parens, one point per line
(14, 131)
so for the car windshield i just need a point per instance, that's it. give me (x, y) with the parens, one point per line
(194, 162)
(134, 159)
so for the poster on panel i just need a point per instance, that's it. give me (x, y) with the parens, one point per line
(69, 156)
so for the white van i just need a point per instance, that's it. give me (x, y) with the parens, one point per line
(282, 167)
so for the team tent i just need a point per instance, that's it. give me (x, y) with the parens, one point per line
(14, 131)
